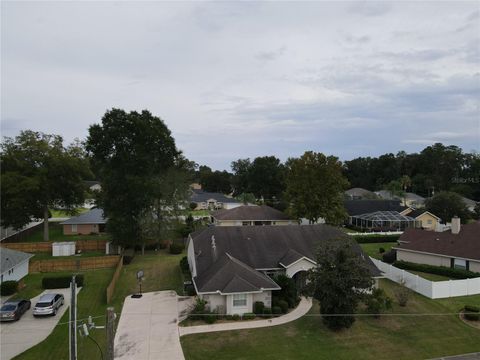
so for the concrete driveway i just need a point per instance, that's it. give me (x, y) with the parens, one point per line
(16, 337)
(148, 328)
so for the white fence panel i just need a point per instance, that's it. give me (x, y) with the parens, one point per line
(430, 289)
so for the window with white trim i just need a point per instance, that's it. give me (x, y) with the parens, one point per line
(239, 300)
(74, 228)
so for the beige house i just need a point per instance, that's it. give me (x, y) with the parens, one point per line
(91, 222)
(455, 248)
(427, 220)
(248, 215)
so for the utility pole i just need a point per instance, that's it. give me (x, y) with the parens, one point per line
(73, 320)
(110, 333)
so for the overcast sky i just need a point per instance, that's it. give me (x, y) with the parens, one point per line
(237, 80)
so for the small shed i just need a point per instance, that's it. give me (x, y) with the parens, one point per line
(14, 264)
(65, 248)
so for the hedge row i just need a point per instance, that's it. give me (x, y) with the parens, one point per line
(60, 282)
(361, 239)
(439, 270)
(8, 287)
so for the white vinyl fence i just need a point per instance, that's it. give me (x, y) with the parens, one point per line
(430, 289)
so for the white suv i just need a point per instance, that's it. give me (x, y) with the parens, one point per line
(48, 304)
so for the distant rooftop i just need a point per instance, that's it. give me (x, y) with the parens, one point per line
(251, 212)
(94, 216)
(199, 196)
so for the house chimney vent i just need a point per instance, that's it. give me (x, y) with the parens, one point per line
(214, 249)
(456, 225)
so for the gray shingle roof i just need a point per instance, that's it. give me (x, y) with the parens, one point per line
(358, 207)
(258, 247)
(230, 275)
(359, 192)
(251, 212)
(199, 196)
(94, 216)
(11, 258)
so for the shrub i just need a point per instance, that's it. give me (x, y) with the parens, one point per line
(471, 308)
(228, 317)
(267, 312)
(127, 259)
(377, 302)
(381, 250)
(192, 206)
(288, 291)
(282, 304)
(176, 249)
(366, 239)
(211, 318)
(472, 316)
(184, 265)
(235, 317)
(248, 316)
(439, 270)
(402, 294)
(61, 282)
(198, 309)
(276, 310)
(389, 257)
(258, 307)
(8, 287)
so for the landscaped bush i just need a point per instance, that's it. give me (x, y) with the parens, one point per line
(376, 238)
(184, 265)
(128, 256)
(381, 250)
(8, 287)
(235, 317)
(283, 305)
(211, 318)
(258, 307)
(390, 257)
(287, 292)
(198, 310)
(378, 302)
(267, 312)
(276, 310)
(176, 249)
(248, 316)
(61, 282)
(439, 270)
(472, 313)
(402, 294)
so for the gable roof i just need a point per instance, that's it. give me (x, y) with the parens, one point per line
(94, 216)
(418, 212)
(10, 258)
(465, 244)
(358, 207)
(229, 275)
(359, 192)
(261, 248)
(199, 196)
(250, 212)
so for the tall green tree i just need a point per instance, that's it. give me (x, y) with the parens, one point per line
(241, 172)
(266, 178)
(446, 205)
(337, 282)
(132, 151)
(315, 186)
(39, 173)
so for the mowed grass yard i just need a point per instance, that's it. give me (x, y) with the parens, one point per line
(162, 272)
(55, 233)
(371, 249)
(405, 336)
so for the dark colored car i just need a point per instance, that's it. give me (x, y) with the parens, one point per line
(13, 310)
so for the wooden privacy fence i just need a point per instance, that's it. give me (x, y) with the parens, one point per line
(111, 286)
(74, 264)
(46, 246)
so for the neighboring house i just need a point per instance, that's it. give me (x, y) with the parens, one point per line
(359, 193)
(93, 185)
(13, 264)
(408, 199)
(212, 201)
(91, 222)
(457, 248)
(428, 221)
(470, 204)
(379, 215)
(251, 215)
(232, 266)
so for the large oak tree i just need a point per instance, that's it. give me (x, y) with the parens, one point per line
(39, 173)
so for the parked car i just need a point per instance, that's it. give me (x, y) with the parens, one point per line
(13, 310)
(48, 304)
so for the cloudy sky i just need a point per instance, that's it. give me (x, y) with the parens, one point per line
(236, 80)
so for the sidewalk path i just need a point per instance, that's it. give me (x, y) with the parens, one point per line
(302, 308)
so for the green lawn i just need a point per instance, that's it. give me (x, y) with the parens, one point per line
(48, 256)
(371, 249)
(55, 232)
(162, 272)
(390, 337)
(428, 276)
